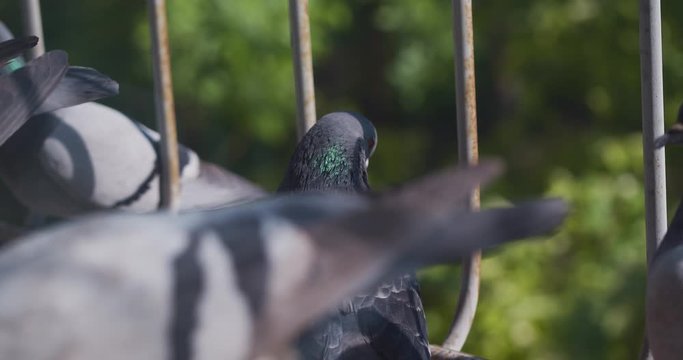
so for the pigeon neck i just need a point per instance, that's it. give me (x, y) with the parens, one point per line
(326, 166)
(332, 162)
(674, 235)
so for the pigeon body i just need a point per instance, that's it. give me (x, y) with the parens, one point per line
(77, 156)
(664, 299)
(232, 283)
(388, 323)
(91, 157)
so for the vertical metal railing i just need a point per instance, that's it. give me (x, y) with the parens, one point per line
(165, 111)
(468, 153)
(33, 25)
(652, 97)
(300, 32)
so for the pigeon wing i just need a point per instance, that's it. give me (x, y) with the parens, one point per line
(23, 90)
(79, 85)
(15, 47)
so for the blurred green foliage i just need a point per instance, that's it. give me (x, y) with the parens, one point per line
(558, 99)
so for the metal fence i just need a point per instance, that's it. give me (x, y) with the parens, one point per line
(463, 42)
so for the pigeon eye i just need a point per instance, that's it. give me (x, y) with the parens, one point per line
(371, 145)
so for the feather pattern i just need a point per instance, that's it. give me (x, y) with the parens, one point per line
(233, 283)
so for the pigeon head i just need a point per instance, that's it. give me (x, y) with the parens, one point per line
(675, 134)
(333, 155)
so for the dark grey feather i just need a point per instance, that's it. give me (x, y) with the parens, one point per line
(11, 48)
(79, 85)
(23, 90)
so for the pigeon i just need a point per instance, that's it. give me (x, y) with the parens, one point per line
(333, 155)
(389, 322)
(90, 157)
(238, 282)
(77, 86)
(664, 296)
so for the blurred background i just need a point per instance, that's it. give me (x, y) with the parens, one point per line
(558, 93)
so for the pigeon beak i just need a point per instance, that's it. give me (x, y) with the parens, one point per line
(673, 136)
(367, 163)
(661, 141)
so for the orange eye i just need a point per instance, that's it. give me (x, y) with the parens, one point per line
(371, 144)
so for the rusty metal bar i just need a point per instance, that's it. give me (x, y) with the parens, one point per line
(169, 185)
(652, 97)
(300, 32)
(468, 153)
(33, 25)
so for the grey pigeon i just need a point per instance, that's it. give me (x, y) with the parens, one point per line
(388, 322)
(332, 156)
(664, 300)
(234, 283)
(79, 84)
(91, 157)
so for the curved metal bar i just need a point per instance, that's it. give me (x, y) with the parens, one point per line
(652, 97)
(169, 184)
(302, 58)
(33, 25)
(468, 153)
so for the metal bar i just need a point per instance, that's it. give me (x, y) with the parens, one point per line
(169, 186)
(652, 97)
(33, 25)
(468, 153)
(300, 32)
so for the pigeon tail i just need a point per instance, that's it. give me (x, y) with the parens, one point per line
(661, 141)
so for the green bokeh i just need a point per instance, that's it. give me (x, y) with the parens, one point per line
(558, 87)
